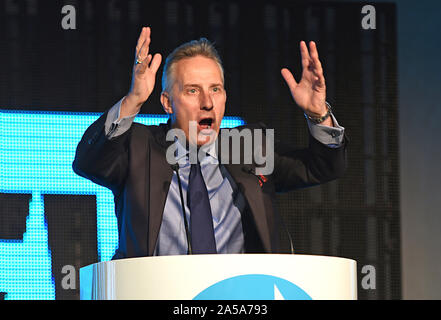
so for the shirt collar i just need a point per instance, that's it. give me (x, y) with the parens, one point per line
(181, 152)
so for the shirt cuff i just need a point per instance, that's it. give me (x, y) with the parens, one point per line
(330, 136)
(114, 127)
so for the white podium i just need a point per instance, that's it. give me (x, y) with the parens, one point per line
(221, 277)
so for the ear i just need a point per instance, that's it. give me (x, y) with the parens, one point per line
(166, 102)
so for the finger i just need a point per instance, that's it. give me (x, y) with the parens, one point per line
(141, 40)
(316, 71)
(313, 50)
(148, 59)
(315, 58)
(317, 66)
(305, 54)
(142, 52)
(319, 78)
(141, 67)
(156, 62)
(289, 78)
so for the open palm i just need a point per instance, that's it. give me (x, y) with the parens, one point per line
(144, 68)
(310, 93)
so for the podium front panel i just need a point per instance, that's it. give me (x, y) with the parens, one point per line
(221, 277)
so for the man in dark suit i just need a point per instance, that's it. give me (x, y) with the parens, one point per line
(165, 203)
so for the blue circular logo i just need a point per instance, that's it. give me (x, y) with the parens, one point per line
(253, 287)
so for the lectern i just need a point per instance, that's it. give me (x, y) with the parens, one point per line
(221, 277)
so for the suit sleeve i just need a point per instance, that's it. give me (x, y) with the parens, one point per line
(101, 159)
(314, 165)
(114, 127)
(330, 136)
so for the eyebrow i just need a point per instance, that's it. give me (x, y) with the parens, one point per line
(199, 86)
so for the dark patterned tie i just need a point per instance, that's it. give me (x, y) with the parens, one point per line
(201, 219)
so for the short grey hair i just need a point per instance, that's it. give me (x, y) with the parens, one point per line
(201, 47)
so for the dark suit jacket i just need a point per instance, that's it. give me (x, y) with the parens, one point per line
(133, 165)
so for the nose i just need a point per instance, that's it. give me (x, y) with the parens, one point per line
(206, 101)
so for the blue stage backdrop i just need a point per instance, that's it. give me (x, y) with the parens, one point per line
(36, 154)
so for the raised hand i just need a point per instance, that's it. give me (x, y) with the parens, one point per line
(143, 75)
(310, 93)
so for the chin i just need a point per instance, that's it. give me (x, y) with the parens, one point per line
(207, 136)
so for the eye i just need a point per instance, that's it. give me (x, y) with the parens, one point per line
(192, 90)
(216, 89)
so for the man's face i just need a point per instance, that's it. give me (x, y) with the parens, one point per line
(198, 94)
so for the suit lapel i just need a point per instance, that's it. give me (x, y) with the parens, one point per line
(159, 180)
(253, 194)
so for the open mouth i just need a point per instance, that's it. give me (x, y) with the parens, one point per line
(205, 123)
